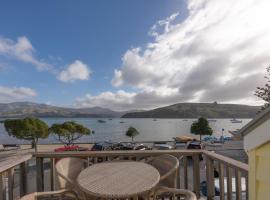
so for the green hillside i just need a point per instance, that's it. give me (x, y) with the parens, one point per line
(194, 110)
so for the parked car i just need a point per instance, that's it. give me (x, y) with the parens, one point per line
(102, 146)
(195, 145)
(5, 147)
(71, 148)
(125, 146)
(142, 147)
(162, 146)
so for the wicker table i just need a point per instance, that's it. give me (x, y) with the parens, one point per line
(118, 179)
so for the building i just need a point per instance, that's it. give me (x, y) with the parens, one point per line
(256, 135)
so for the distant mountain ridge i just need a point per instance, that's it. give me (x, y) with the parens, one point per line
(195, 110)
(23, 109)
(180, 110)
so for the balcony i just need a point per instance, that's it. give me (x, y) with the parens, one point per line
(22, 174)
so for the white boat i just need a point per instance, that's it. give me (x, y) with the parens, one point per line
(236, 121)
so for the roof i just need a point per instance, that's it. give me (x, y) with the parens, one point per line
(258, 120)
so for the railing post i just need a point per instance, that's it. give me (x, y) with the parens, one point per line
(221, 180)
(238, 184)
(2, 188)
(40, 174)
(210, 178)
(10, 183)
(196, 175)
(23, 178)
(229, 183)
(178, 177)
(185, 172)
(246, 183)
(52, 172)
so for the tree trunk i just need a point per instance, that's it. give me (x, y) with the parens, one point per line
(34, 144)
(132, 138)
(200, 138)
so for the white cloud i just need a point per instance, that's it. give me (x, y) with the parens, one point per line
(22, 50)
(219, 52)
(122, 100)
(117, 101)
(164, 25)
(9, 94)
(75, 71)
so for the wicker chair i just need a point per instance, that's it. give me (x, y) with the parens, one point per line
(172, 193)
(167, 165)
(67, 170)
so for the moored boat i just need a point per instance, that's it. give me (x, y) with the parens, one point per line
(236, 121)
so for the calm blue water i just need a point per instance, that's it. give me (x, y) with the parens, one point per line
(162, 129)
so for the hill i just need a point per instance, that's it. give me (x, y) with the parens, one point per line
(23, 109)
(195, 110)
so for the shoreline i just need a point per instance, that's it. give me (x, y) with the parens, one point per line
(232, 149)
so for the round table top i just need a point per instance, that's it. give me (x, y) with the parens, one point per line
(118, 179)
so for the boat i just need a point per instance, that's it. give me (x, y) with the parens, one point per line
(185, 120)
(183, 139)
(154, 119)
(236, 135)
(236, 121)
(212, 120)
(101, 121)
(121, 122)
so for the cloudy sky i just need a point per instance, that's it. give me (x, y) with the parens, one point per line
(133, 54)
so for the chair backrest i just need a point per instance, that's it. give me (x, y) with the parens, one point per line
(173, 194)
(67, 170)
(167, 165)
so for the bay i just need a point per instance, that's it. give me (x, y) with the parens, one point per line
(114, 129)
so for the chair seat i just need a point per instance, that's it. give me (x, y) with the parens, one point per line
(31, 196)
(34, 196)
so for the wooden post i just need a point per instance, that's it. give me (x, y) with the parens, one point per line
(2, 188)
(10, 183)
(40, 174)
(185, 173)
(4, 195)
(196, 175)
(23, 178)
(210, 178)
(221, 180)
(229, 183)
(52, 172)
(246, 179)
(238, 184)
(178, 177)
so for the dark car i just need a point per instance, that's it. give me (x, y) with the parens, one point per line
(102, 146)
(195, 145)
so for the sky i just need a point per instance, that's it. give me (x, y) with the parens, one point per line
(131, 54)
